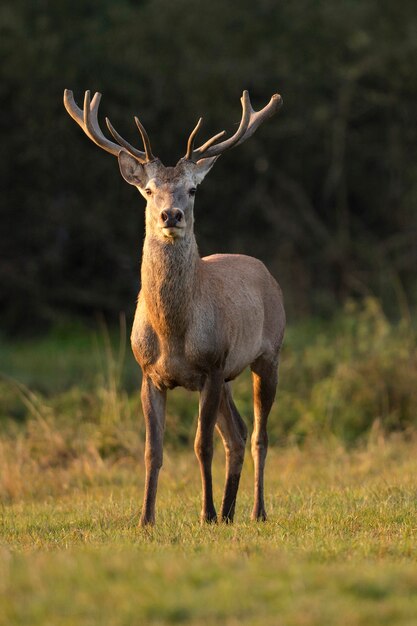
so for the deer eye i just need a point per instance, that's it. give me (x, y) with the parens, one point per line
(192, 191)
(148, 191)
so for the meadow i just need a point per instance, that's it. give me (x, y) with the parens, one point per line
(340, 542)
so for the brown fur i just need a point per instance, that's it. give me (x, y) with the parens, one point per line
(199, 323)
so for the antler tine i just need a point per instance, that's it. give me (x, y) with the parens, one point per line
(91, 127)
(211, 141)
(204, 151)
(138, 154)
(87, 119)
(248, 124)
(72, 108)
(257, 117)
(76, 113)
(191, 138)
(145, 139)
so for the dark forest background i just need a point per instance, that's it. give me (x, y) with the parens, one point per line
(325, 192)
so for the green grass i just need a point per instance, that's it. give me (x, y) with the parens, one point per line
(339, 547)
(340, 544)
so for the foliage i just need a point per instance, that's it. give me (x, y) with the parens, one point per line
(358, 375)
(324, 193)
(349, 378)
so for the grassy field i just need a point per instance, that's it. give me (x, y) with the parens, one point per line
(340, 544)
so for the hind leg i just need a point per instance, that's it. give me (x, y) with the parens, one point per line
(265, 380)
(233, 432)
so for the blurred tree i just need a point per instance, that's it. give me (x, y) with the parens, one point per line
(325, 192)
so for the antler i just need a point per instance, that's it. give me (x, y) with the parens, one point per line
(88, 120)
(249, 123)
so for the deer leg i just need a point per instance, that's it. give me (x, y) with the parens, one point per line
(203, 445)
(233, 432)
(153, 405)
(265, 379)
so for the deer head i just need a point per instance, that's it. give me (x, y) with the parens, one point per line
(169, 191)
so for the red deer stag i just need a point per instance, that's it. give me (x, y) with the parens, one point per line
(199, 322)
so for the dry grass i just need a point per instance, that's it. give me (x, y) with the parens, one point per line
(340, 544)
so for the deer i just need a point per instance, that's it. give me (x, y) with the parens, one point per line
(199, 322)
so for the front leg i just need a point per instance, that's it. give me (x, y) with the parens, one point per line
(153, 405)
(203, 446)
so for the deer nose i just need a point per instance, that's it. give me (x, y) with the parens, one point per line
(171, 217)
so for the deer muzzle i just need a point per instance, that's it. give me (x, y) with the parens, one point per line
(173, 222)
(172, 218)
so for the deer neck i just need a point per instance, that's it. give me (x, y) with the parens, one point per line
(169, 279)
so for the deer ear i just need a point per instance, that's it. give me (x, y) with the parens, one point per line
(132, 171)
(203, 166)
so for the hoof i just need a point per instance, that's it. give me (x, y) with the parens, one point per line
(259, 516)
(146, 522)
(208, 518)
